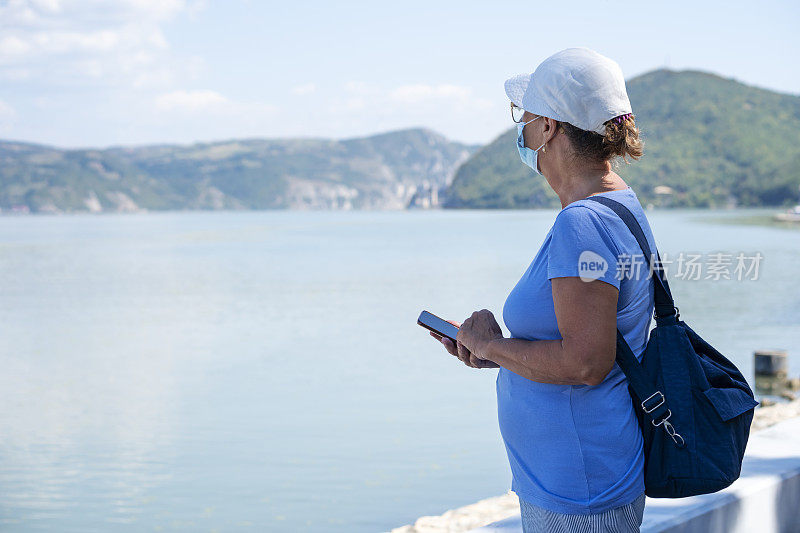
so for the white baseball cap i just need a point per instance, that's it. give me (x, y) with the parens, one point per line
(576, 85)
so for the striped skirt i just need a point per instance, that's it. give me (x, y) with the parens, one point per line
(624, 519)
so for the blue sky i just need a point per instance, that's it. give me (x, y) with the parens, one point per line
(100, 73)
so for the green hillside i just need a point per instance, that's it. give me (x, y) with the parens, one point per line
(713, 141)
(380, 171)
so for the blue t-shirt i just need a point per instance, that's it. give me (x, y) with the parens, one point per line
(577, 449)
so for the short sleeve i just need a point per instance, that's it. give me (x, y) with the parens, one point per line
(581, 246)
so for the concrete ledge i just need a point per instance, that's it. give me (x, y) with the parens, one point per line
(766, 498)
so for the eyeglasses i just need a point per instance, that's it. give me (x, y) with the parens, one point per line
(516, 113)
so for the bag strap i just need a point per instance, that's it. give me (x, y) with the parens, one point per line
(664, 304)
(652, 400)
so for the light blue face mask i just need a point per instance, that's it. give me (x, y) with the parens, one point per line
(529, 157)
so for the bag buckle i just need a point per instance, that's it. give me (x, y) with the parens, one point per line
(657, 405)
(670, 429)
(674, 308)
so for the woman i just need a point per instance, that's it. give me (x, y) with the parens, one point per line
(565, 414)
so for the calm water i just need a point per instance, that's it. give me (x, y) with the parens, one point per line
(264, 372)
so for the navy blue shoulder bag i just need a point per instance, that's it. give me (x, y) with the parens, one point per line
(693, 405)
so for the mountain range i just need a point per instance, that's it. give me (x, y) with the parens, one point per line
(387, 171)
(709, 142)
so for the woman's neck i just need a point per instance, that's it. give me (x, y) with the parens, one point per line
(572, 185)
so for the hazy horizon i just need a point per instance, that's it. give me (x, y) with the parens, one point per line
(345, 138)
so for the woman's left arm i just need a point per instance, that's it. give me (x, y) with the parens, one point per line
(586, 313)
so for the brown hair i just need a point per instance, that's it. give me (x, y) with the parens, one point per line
(621, 140)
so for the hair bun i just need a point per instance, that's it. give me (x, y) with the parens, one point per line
(620, 140)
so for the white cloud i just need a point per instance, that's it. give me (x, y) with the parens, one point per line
(207, 102)
(7, 116)
(359, 87)
(453, 95)
(417, 93)
(91, 42)
(305, 89)
(6, 110)
(30, 13)
(413, 96)
(453, 109)
(12, 46)
(190, 101)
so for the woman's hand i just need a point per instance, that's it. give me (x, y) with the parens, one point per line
(480, 328)
(477, 331)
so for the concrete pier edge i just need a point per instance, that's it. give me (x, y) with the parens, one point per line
(770, 481)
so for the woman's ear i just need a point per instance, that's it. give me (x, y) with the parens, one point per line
(550, 126)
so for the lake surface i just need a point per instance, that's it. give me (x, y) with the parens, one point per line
(262, 371)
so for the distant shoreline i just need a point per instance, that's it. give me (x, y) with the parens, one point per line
(756, 219)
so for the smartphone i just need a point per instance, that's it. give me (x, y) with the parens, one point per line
(437, 325)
